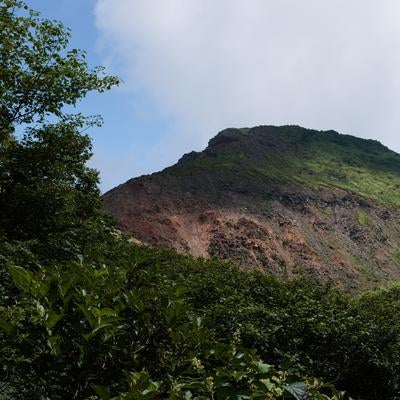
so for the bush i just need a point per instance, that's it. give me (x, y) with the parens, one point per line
(76, 330)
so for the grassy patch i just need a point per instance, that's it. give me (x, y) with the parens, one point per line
(366, 273)
(303, 157)
(361, 217)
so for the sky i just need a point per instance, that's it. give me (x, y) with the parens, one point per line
(191, 68)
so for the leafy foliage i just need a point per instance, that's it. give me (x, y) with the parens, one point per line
(77, 330)
(168, 326)
(38, 75)
(46, 187)
(48, 196)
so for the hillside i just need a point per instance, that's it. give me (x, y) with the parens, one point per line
(286, 200)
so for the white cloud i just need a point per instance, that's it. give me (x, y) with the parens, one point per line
(211, 64)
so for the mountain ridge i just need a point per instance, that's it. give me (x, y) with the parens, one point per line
(286, 200)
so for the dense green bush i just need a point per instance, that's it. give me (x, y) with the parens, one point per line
(313, 329)
(157, 325)
(78, 329)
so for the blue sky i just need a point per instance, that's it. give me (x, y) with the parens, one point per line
(123, 145)
(194, 67)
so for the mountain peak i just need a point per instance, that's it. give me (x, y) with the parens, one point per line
(285, 199)
(295, 155)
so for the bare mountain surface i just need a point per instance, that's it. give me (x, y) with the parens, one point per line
(286, 200)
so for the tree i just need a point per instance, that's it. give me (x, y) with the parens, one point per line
(38, 74)
(47, 193)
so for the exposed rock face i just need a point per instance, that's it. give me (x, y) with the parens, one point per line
(285, 200)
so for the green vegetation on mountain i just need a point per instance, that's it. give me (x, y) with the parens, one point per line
(85, 314)
(299, 156)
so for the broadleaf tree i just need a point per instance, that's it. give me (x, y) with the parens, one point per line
(47, 192)
(39, 74)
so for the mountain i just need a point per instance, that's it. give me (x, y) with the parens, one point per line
(285, 200)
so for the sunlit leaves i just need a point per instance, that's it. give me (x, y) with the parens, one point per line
(39, 75)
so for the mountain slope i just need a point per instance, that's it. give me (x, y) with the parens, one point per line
(286, 200)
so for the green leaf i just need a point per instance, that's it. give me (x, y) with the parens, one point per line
(53, 343)
(52, 318)
(21, 277)
(102, 392)
(88, 314)
(264, 368)
(7, 326)
(297, 389)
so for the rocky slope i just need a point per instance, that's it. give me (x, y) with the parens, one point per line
(286, 200)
